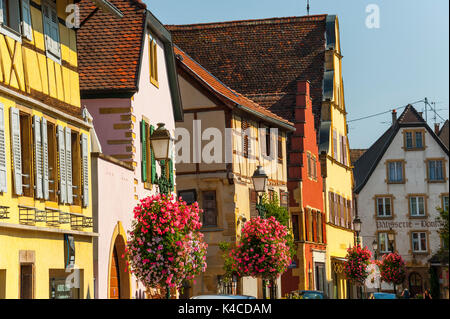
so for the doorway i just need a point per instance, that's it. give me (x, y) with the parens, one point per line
(119, 279)
(415, 283)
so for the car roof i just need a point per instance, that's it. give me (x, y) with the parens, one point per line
(222, 297)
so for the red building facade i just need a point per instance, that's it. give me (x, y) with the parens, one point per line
(305, 186)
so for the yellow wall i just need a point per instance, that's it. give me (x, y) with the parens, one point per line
(339, 178)
(33, 75)
(25, 66)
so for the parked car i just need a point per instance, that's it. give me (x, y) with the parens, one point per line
(382, 295)
(307, 294)
(222, 297)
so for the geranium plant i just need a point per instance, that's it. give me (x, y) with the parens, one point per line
(263, 250)
(392, 268)
(358, 259)
(165, 246)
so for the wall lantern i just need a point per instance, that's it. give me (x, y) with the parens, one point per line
(260, 180)
(160, 141)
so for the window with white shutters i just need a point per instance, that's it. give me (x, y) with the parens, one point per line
(45, 171)
(69, 184)
(38, 168)
(85, 168)
(62, 165)
(3, 172)
(16, 150)
(51, 28)
(15, 19)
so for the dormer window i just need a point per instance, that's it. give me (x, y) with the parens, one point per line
(414, 140)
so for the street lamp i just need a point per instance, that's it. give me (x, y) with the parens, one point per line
(260, 184)
(357, 224)
(375, 248)
(161, 142)
(391, 237)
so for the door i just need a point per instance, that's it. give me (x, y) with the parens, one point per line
(415, 284)
(114, 284)
(320, 277)
(26, 281)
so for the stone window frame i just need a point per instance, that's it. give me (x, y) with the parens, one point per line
(427, 235)
(403, 181)
(392, 197)
(444, 170)
(413, 133)
(425, 200)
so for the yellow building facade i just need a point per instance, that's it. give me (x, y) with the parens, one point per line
(45, 209)
(336, 168)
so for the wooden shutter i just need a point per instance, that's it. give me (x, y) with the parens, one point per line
(152, 159)
(68, 132)
(3, 172)
(331, 207)
(170, 168)
(27, 30)
(16, 150)
(85, 168)
(344, 141)
(144, 151)
(51, 27)
(38, 156)
(62, 165)
(45, 171)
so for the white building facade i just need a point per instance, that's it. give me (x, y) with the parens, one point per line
(400, 183)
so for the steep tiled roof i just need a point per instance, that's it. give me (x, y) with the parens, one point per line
(195, 69)
(366, 164)
(443, 134)
(262, 59)
(109, 48)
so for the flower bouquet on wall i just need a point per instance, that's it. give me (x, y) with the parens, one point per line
(165, 247)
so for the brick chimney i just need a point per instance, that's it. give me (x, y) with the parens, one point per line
(436, 128)
(394, 117)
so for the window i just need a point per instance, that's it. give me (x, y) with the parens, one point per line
(417, 206)
(445, 202)
(335, 145)
(209, 209)
(295, 227)
(435, 170)
(312, 166)
(383, 243)
(384, 206)
(148, 163)
(396, 172)
(51, 29)
(245, 137)
(280, 149)
(24, 156)
(268, 139)
(52, 163)
(10, 14)
(189, 196)
(419, 241)
(344, 150)
(319, 227)
(3, 166)
(414, 139)
(153, 57)
(76, 168)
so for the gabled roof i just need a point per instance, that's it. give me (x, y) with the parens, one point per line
(226, 94)
(366, 164)
(109, 48)
(443, 134)
(262, 59)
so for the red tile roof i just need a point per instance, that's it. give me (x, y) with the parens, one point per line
(109, 48)
(195, 69)
(262, 59)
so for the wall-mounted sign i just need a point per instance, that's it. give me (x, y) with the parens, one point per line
(381, 224)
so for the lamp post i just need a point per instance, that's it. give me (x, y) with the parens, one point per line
(260, 184)
(357, 225)
(375, 253)
(160, 141)
(391, 238)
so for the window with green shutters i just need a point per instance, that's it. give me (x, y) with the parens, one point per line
(148, 163)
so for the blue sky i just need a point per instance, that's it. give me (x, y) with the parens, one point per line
(403, 61)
